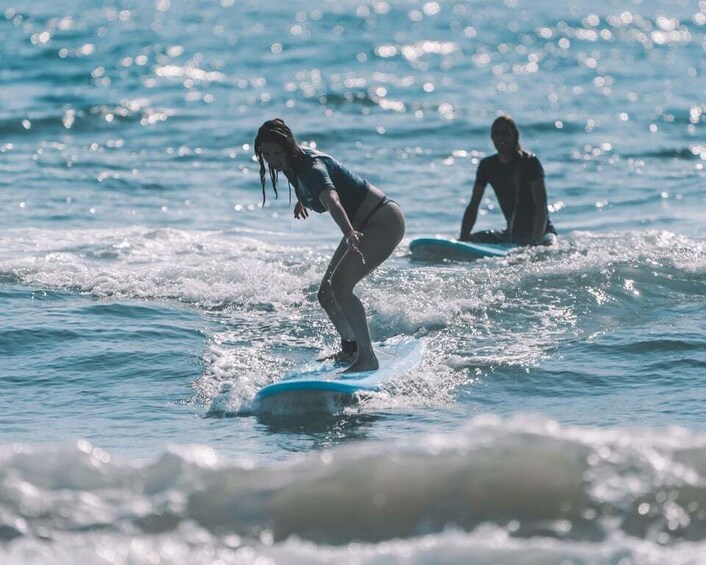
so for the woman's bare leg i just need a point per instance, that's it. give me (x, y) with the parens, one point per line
(328, 300)
(380, 237)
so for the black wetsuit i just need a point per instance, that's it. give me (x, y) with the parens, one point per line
(511, 184)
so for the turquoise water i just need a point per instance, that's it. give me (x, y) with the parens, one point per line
(146, 295)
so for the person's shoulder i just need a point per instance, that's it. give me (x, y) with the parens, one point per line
(531, 165)
(528, 156)
(308, 154)
(309, 160)
(313, 154)
(315, 159)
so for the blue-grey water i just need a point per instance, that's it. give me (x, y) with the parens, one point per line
(559, 415)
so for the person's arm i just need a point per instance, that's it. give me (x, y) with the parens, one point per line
(539, 222)
(320, 184)
(330, 199)
(471, 213)
(319, 181)
(300, 211)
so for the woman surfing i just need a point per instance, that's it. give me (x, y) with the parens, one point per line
(371, 226)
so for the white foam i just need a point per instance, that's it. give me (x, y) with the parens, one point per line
(524, 490)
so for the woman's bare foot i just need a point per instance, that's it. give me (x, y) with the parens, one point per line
(362, 364)
(340, 358)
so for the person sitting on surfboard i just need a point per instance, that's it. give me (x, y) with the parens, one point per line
(371, 224)
(517, 177)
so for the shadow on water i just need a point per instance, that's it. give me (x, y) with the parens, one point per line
(326, 418)
(350, 425)
(317, 420)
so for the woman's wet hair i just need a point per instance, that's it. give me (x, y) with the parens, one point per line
(506, 121)
(275, 131)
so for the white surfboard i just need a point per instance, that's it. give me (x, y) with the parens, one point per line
(396, 356)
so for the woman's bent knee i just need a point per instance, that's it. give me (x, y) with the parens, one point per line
(340, 286)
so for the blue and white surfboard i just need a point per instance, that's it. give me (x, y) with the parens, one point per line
(395, 356)
(443, 248)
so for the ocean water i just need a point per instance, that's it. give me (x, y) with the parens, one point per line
(559, 416)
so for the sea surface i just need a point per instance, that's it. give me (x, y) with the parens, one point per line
(146, 294)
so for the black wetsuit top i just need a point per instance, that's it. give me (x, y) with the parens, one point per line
(318, 172)
(511, 183)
